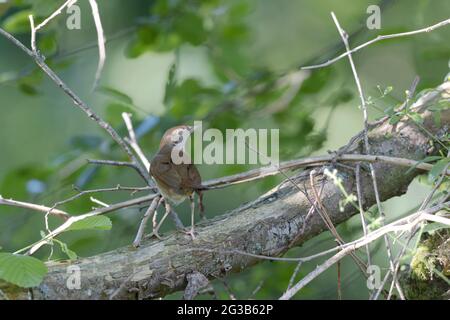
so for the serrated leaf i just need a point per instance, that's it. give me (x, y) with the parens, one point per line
(23, 271)
(92, 223)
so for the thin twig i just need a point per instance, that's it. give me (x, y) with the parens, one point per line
(402, 224)
(129, 164)
(267, 171)
(77, 101)
(150, 212)
(67, 4)
(379, 38)
(344, 37)
(125, 204)
(327, 221)
(35, 207)
(132, 141)
(416, 228)
(361, 209)
(101, 42)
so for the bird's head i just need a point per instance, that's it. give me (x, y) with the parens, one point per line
(176, 136)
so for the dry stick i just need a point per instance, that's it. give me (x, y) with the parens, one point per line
(327, 221)
(132, 141)
(294, 275)
(101, 41)
(73, 219)
(67, 4)
(322, 211)
(344, 37)
(402, 224)
(379, 38)
(39, 60)
(339, 291)
(35, 207)
(150, 212)
(122, 164)
(267, 171)
(91, 191)
(97, 201)
(361, 209)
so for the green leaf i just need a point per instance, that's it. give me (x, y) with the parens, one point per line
(170, 84)
(416, 117)
(71, 254)
(424, 160)
(115, 94)
(190, 27)
(92, 223)
(23, 271)
(18, 22)
(394, 119)
(28, 89)
(437, 169)
(435, 226)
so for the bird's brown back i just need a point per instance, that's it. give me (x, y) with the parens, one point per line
(181, 179)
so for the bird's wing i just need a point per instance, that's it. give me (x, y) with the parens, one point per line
(162, 169)
(194, 176)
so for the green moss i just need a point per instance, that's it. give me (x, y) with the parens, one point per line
(429, 266)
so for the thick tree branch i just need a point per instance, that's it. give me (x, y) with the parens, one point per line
(269, 226)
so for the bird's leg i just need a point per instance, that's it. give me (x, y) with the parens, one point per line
(156, 228)
(191, 232)
(200, 205)
(176, 220)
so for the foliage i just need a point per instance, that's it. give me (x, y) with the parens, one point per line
(241, 91)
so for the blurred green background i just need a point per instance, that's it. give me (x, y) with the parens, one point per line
(229, 63)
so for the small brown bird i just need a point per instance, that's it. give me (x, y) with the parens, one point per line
(176, 182)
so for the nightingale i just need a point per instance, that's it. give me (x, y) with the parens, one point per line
(176, 181)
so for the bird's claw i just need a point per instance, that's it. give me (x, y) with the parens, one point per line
(156, 235)
(191, 232)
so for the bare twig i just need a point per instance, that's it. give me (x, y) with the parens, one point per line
(132, 141)
(35, 207)
(327, 221)
(416, 228)
(129, 164)
(344, 37)
(125, 204)
(101, 41)
(267, 171)
(150, 212)
(77, 101)
(379, 38)
(361, 209)
(67, 4)
(402, 224)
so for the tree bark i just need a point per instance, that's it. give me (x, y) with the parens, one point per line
(269, 225)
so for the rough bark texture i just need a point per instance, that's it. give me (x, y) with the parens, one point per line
(269, 225)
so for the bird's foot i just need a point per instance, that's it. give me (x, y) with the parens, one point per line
(190, 232)
(156, 235)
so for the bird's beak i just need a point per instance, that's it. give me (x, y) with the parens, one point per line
(193, 128)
